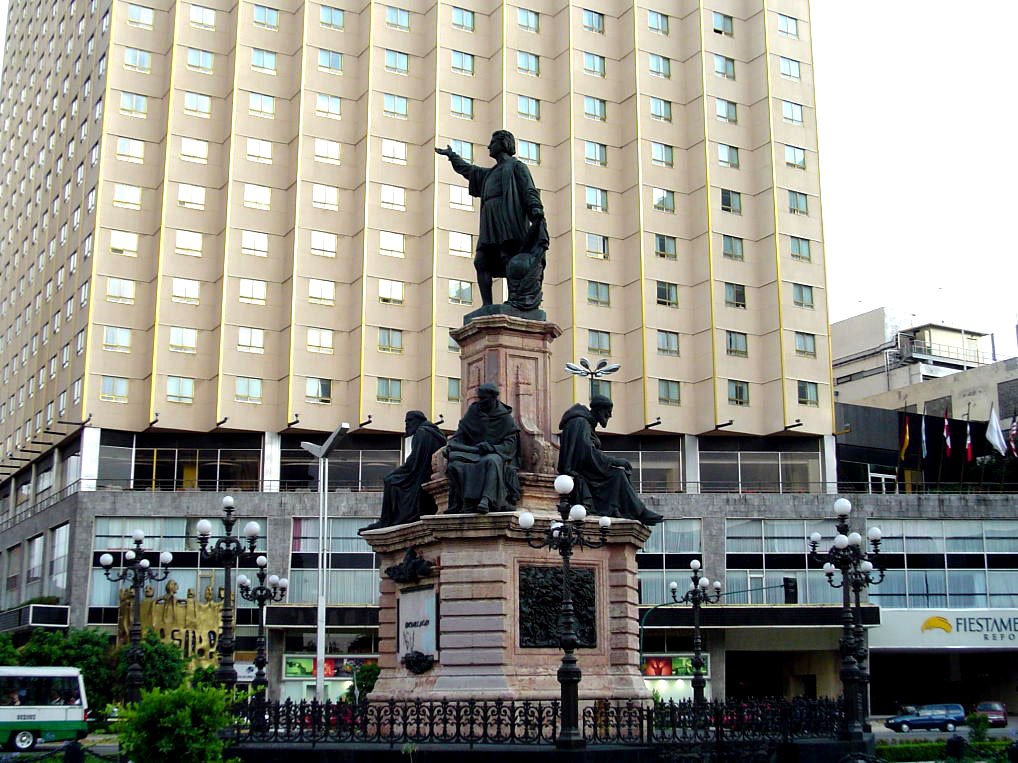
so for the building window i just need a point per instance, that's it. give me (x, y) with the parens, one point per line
(527, 19)
(528, 63)
(197, 105)
(594, 64)
(116, 339)
(327, 151)
(661, 109)
(138, 60)
(728, 156)
(392, 197)
(665, 247)
(461, 244)
(268, 18)
(528, 152)
(462, 63)
(390, 340)
(724, 66)
(800, 248)
(657, 22)
(599, 342)
(394, 106)
(593, 21)
(183, 339)
(597, 246)
(130, 150)
(791, 112)
(460, 198)
(320, 341)
(789, 68)
(179, 389)
(133, 105)
(252, 292)
(601, 387)
(200, 60)
(802, 295)
(795, 157)
(188, 243)
(738, 392)
(397, 62)
(390, 292)
(321, 292)
(191, 196)
(461, 292)
(194, 150)
(140, 16)
(788, 25)
(736, 343)
(394, 151)
(667, 342)
(660, 66)
(325, 197)
(731, 247)
(331, 18)
(595, 108)
(731, 201)
(389, 390)
(247, 390)
(808, 393)
(598, 293)
(120, 290)
(328, 106)
(727, 111)
(126, 196)
(805, 344)
(664, 200)
(662, 154)
(392, 244)
(324, 244)
(451, 344)
(254, 243)
(397, 18)
(123, 243)
(597, 199)
(463, 19)
(113, 389)
(185, 290)
(261, 105)
(462, 106)
(667, 294)
(202, 18)
(330, 61)
(527, 107)
(723, 24)
(735, 295)
(263, 61)
(317, 390)
(453, 390)
(797, 203)
(668, 392)
(464, 148)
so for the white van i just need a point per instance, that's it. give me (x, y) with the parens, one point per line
(41, 703)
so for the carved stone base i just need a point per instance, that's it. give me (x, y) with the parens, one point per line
(537, 491)
(478, 561)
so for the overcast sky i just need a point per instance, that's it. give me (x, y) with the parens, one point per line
(915, 104)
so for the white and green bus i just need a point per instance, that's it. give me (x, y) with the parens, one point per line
(45, 704)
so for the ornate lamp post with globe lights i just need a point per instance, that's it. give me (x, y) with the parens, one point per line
(261, 595)
(858, 571)
(565, 536)
(137, 571)
(225, 553)
(700, 592)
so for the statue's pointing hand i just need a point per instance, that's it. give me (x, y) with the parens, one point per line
(447, 151)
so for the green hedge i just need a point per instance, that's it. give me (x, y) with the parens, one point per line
(914, 751)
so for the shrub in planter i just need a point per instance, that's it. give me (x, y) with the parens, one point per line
(181, 725)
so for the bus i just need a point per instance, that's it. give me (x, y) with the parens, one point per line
(47, 704)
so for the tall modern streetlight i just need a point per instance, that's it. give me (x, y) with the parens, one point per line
(564, 537)
(137, 571)
(858, 571)
(225, 552)
(261, 595)
(700, 592)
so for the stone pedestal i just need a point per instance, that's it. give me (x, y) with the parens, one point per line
(476, 582)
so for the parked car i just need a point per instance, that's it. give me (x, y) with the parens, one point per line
(995, 712)
(943, 717)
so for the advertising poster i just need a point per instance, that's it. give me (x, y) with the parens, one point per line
(671, 666)
(335, 667)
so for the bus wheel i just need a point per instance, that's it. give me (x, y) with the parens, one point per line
(23, 741)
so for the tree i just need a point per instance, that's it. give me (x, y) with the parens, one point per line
(8, 654)
(181, 725)
(162, 664)
(364, 677)
(87, 649)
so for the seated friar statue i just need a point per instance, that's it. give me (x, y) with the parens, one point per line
(602, 482)
(483, 454)
(403, 500)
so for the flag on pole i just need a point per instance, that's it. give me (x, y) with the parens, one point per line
(947, 435)
(993, 434)
(904, 441)
(923, 432)
(968, 440)
(1012, 436)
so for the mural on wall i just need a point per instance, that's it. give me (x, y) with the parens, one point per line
(188, 623)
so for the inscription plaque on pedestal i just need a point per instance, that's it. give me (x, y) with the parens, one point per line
(417, 620)
(541, 603)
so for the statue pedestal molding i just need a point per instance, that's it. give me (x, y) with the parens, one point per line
(473, 589)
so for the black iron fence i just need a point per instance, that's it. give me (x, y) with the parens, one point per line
(534, 722)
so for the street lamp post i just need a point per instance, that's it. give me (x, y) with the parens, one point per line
(137, 571)
(564, 537)
(858, 571)
(225, 553)
(700, 592)
(261, 595)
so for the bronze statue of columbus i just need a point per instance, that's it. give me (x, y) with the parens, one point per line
(513, 238)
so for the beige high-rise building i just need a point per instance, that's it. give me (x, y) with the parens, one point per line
(229, 216)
